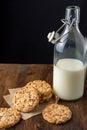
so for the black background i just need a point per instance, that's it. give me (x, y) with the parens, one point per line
(26, 25)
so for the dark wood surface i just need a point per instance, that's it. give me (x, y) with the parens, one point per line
(17, 75)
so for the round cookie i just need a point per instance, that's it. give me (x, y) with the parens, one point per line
(25, 99)
(56, 114)
(9, 117)
(44, 89)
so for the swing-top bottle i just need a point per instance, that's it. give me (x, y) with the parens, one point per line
(69, 58)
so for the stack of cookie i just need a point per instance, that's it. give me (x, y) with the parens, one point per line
(25, 99)
(32, 94)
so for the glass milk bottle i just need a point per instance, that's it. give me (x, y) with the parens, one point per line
(69, 58)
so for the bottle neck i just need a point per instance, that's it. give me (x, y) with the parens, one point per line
(73, 12)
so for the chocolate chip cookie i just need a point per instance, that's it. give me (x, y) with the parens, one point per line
(9, 117)
(56, 114)
(25, 99)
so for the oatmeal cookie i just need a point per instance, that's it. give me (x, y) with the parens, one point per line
(25, 99)
(44, 89)
(56, 114)
(9, 117)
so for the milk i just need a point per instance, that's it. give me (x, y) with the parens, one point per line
(68, 79)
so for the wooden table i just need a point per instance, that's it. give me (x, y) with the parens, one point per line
(17, 75)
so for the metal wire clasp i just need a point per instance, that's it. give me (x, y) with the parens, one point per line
(54, 37)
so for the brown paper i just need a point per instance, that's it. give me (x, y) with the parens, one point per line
(25, 116)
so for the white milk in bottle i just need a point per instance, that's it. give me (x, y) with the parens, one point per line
(68, 79)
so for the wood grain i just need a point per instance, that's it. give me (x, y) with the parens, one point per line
(17, 75)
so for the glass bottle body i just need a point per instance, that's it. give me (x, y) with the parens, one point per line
(69, 68)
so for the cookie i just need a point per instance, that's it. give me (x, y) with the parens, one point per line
(56, 114)
(9, 117)
(44, 89)
(25, 99)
